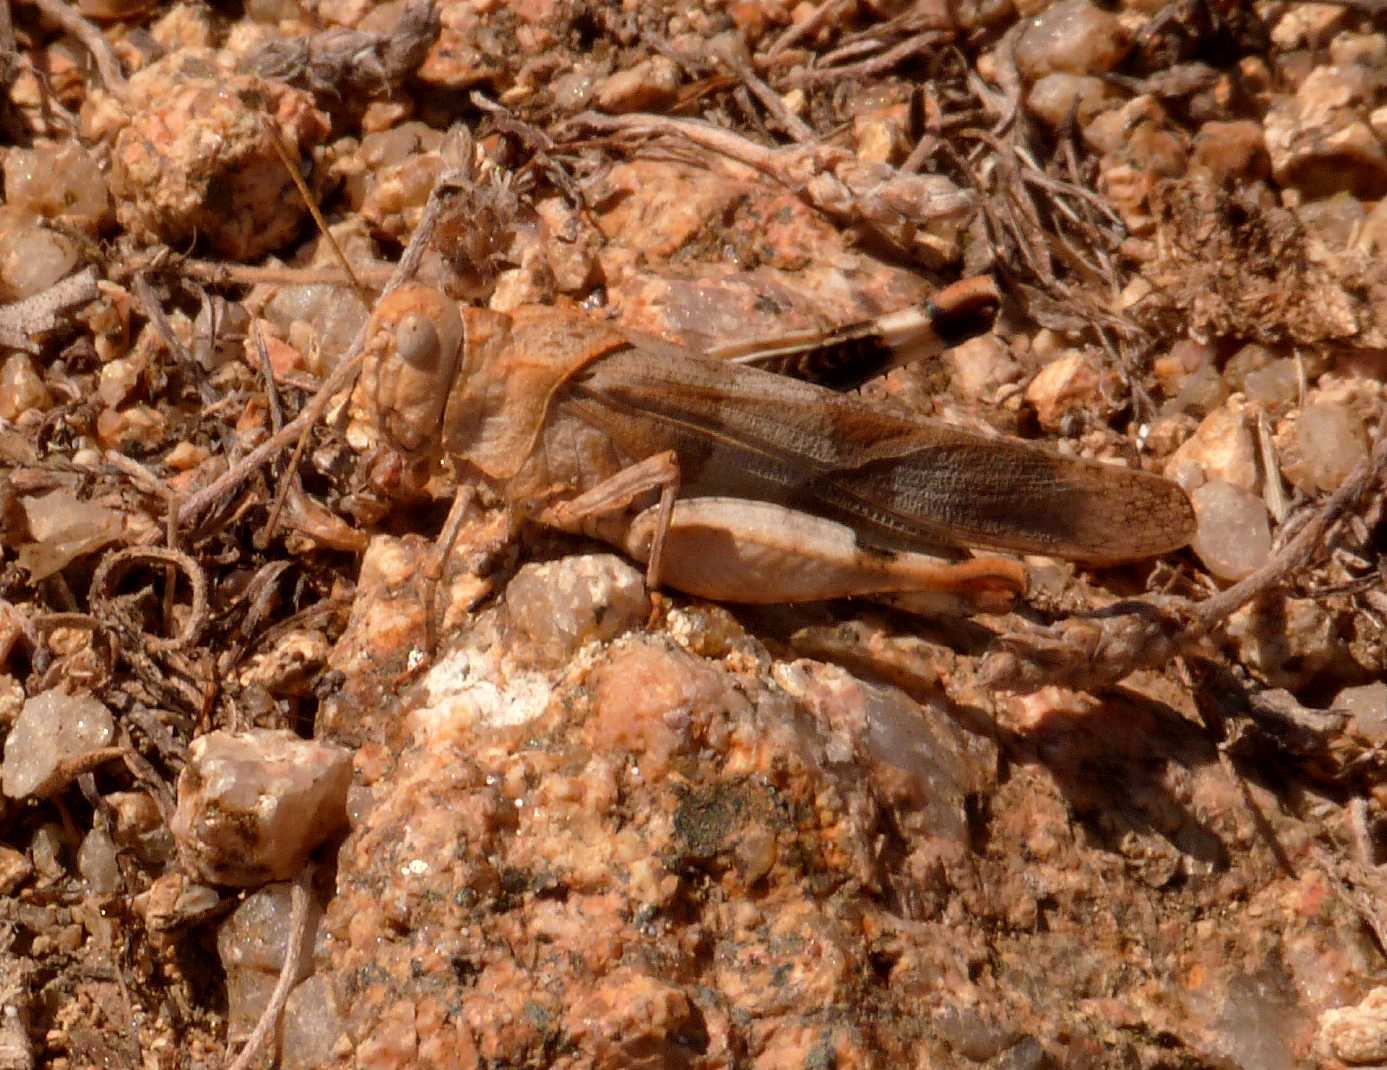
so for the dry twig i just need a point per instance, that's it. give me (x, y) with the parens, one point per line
(342, 63)
(791, 123)
(40, 314)
(311, 203)
(1098, 650)
(149, 304)
(92, 40)
(820, 15)
(267, 373)
(1296, 553)
(867, 67)
(896, 208)
(288, 974)
(224, 274)
(114, 565)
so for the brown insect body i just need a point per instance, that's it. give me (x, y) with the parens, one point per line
(772, 474)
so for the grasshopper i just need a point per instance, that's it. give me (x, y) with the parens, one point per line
(738, 475)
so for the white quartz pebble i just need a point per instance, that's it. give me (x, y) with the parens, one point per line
(252, 805)
(1233, 537)
(53, 730)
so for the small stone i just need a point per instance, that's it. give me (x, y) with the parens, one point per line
(1231, 150)
(652, 209)
(21, 387)
(335, 316)
(1062, 386)
(247, 995)
(185, 456)
(174, 901)
(96, 862)
(398, 192)
(1202, 392)
(140, 427)
(138, 826)
(1286, 642)
(572, 91)
(185, 26)
(1373, 237)
(53, 730)
(880, 135)
(312, 1027)
(465, 54)
(396, 145)
(62, 182)
(1377, 122)
(1336, 221)
(1331, 441)
(1368, 707)
(11, 700)
(1233, 537)
(1318, 141)
(16, 448)
(529, 284)
(273, 11)
(1246, 360)
(32, 257)
(643, 696)
(118, 380)
(1060, 98)
(219, 333)
(1105, 134)
(62, 527)
(1307, 24)
(1363, 49)
(572, 258)
(1156, 150)
(1073, 36)
(648, 86)
(256, 935)
(286, 358)
(15, 869)
(981, 366)
(1357, 1035)
(289, 665)
(46, 849)
(1221, 448)
(1276, 384)
(1146, 154)
(631, 1019)
(557, 606)
(918, 757)
(252, 805)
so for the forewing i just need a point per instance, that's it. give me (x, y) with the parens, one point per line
(895, 479)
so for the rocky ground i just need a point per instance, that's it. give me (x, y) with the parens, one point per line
(277, 786)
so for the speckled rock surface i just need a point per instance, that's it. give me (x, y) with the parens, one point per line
(168, 187)
(677, 849)
(671, 861)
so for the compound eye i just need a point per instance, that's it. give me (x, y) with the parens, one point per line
(417, 342)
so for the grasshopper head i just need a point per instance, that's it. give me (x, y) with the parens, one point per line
(413, 349)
